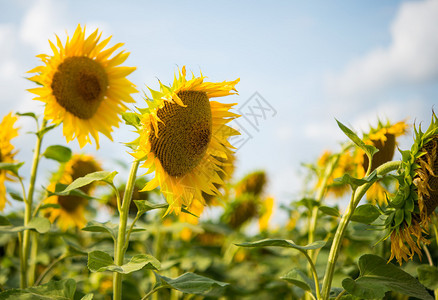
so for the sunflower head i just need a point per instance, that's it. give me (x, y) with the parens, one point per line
(83, 86)
(183, 138)
(416, 199)
(71, 207)
(253, 184)
(7, 152)
(241, 211)
(383, 137)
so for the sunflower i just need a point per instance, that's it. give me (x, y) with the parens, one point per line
(247, 204)
(181, 137)
(384, 138)
(7, 152)
(83, 87)
(417, 196)
(71, 208)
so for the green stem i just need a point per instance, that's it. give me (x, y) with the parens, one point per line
(49, 268)
(336, 245)
(151, 292)
(28, 208)
(315, 274)
(33, 258)
(340, 295)
(319, 196)
(120, 246)
(128, 235)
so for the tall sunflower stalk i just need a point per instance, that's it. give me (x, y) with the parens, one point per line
(26, 245)
(122, 237)
(83, 87)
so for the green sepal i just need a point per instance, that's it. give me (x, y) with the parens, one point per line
(132, 119)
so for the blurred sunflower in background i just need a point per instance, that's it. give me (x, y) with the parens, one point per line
(384, 138)
(410, 209)
(71, 211)
(355, 162)
(248, 203)
(83, 87)
(111, 199)
(183, 137)
(7, 152)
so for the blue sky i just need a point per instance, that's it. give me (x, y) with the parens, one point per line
(311, 61)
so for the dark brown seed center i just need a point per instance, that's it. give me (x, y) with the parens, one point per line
(185, 133)
(385, 154)
(70, 203)
(431, 159)
(79, 85)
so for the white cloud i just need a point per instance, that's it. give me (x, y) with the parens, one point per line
(41, 22)
(411, 57)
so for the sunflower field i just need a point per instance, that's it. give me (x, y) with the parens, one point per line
(177, 223)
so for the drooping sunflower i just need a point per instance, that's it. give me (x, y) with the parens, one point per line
(384, 138)
(71, 212)
(7, 152)
(248, 203)
(417, 196)
(83, 86)
(181, 137)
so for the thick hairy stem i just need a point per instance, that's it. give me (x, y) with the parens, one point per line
(28, 209)
(336, 245)
(120, 246)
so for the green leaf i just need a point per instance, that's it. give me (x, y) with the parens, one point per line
(191, 283)
(107, 227)
(144, 205)
(16, 196)
(88, 297)
(59, 153)
(131, 119)
(43, 131)
(89, 178)
(42, 225)
(53, 290)
(377, 277)
(283, 243)
(99, 261)
(50, 205)
(356, 182)
(331, 211)
(428, 276)
(300, 279)
(4, 221)
(366, 214)
(27, 114)
(13, 167)
(59, 191)
(369, 149)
